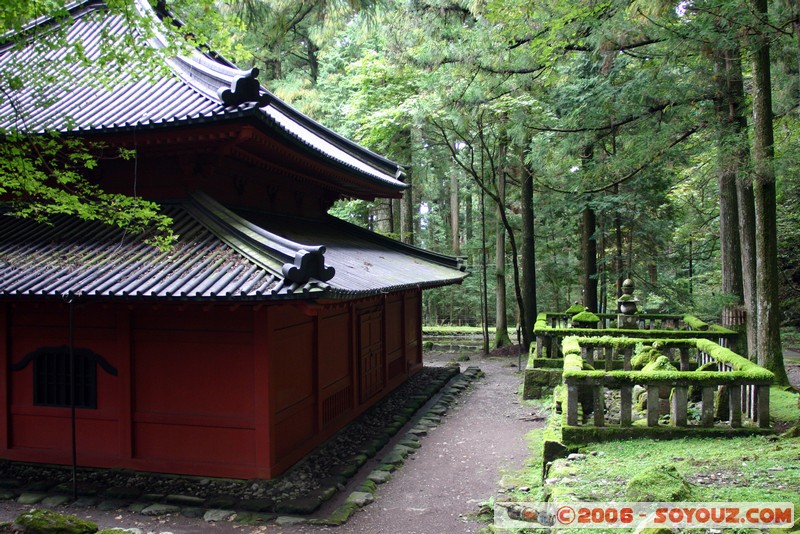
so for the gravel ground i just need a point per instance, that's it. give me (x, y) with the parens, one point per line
(458, 466)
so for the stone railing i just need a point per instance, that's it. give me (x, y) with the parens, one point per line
(735, 381)
(551, 328)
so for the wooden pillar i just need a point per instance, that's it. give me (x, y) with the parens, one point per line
(125, 366)
(735, 405)
(572, 404)
(625, 405)
(5, 376)
(680, 398)
(652, 405)
(707, 417)
(265, 457)
(763, 406)
(599, 405)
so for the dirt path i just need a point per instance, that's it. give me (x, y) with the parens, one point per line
(459, 465)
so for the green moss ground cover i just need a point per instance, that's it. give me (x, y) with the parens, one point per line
(729, 469)
(450, 330)
(743, 469)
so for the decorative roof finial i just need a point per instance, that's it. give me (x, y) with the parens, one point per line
(243, 89)
(308, 263)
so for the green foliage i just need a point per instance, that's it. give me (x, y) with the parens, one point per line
(46, 175)
(43, 173)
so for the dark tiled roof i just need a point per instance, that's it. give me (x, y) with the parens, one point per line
(219, 256)
(142, 94)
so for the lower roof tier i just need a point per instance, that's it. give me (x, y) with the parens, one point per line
(220, 255)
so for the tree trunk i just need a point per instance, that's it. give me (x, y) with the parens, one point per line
(738, 156)
(408, 205)
(468, 217)
(602, 304)
(382, 216)
(747, 238)
(528, 253)
(769, 350)
(396, 205)
(501, 338)
(727, 171)
(485, 282)
(312, 53)
(455, 244)
(589, 258)
(618, 263)
(407, 213)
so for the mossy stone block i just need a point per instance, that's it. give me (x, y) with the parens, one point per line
(286, 521)
(360, 498)
(55, 500)
(158, 509)
(387, 467)
(368, 486)
(112, 504)
(31, 498)
(661, 483)
(264, 504)
(301, 505)
(403, 450)
(215, 515)
(338, 517)
(379, 477)
(254, 518)
(193, 512)
(49, 522)
(393, 458)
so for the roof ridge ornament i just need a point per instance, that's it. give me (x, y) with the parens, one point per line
(309, 263)
(244, 89)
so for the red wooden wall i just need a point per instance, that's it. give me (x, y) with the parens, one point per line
(215, 390)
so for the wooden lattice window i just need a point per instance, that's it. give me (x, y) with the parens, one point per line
(52, 376)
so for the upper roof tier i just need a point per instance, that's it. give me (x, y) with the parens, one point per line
(54, 88)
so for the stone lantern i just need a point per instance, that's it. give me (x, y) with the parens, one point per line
(626, 318)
